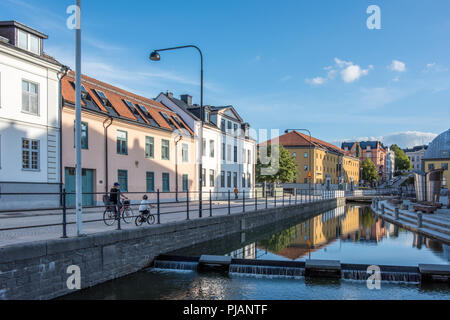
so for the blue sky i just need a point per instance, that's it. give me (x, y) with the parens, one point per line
(285, 64)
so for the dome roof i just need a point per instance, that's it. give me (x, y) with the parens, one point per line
(439, 148)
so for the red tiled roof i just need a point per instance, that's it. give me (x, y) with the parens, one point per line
(116, 97)
(294, 138)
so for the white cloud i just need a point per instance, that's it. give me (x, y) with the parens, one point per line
(317, 81)
(405, 139)
(353, 73)
(398, 66)
(434, 67)
(396, 79)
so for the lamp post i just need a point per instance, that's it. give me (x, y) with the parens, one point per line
(309, 156)
(154, 56)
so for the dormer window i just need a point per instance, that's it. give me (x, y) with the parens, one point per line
(28, 42)
(206, 116)
(129, 104)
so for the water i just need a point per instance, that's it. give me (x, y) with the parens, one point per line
(350, 234)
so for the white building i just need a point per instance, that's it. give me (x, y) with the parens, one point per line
(416, 155)
(229, 154)
(390, 164)
(29, 118)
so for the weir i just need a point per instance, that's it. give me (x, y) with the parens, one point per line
(298, 269)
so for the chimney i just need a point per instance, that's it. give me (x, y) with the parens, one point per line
(169, 94)
(187, 99)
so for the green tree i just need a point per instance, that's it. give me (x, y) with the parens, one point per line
(358, 150)
(402, 161)
(369, 171)
(287, 168)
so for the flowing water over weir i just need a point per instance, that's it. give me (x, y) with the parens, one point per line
(294, 269)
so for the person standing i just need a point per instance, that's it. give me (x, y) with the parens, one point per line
(236, 192)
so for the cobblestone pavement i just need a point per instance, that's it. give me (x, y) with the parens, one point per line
(93, 219)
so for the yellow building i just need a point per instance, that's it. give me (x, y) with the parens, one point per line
(326, 162)
(437, 156)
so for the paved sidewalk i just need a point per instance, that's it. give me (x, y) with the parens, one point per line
(50, 222)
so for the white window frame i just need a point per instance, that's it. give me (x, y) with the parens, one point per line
(30, 157)
(28, 46)
(185, 152)
(29, 94)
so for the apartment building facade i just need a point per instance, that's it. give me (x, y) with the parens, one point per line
(373, 150)
(126, 138)
(416, 155)
(330, 168)
(29, 118)
(229, 153)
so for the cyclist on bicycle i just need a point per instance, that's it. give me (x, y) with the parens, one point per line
(113, 195)
(145, 206)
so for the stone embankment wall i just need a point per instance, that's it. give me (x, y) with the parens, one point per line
(39, 270)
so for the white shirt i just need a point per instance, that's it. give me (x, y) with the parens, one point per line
(144, 205)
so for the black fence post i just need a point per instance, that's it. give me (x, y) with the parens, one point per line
(243, 200)
(256, 200)
(283, 199)
(200, 208)
(210, 203)
(229, 207)
(158, 207)
(295, 196)
(266, 197)
(290, 199)
(119, 206)
(64, 213)
(275, 198)
(187, 204)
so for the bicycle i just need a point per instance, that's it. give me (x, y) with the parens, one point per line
(110, 215)
(145, 216)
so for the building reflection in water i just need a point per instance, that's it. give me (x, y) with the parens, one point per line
(349, 223)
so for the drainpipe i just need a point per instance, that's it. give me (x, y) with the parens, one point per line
(106, 125)
(61, 75)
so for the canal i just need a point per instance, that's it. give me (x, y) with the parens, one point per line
(351, 234)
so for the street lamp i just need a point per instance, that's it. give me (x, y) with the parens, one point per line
(154, 56)
(309, 156)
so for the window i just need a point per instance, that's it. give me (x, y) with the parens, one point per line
(185, 152)
(28, 42)
(122, 142)
(222, 179)
(211, 178)
(249, 156)
(129, 104)
(150, 181)
(30, 154)
(211, 148)
(101, 94)
(235, 179)
(235, 127)
(368, 155)
(122, 177)
(229, 125)
(185, 182)
(222, 124)
(166, 182)
(30, 97)
(149, 147)
(306, 155)
(229, 153)
(249, 180)
(294, 154)
(204, 177)
(165, 149)
(444, 166)
(223, 151)
(204, 147)
(206, 116)
(235, 154)
(243, 180)
(84, 135)
(306, 168)
(229, 179)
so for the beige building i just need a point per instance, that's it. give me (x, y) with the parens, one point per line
(127, 138)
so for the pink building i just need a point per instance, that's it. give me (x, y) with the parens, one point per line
(126, 138)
